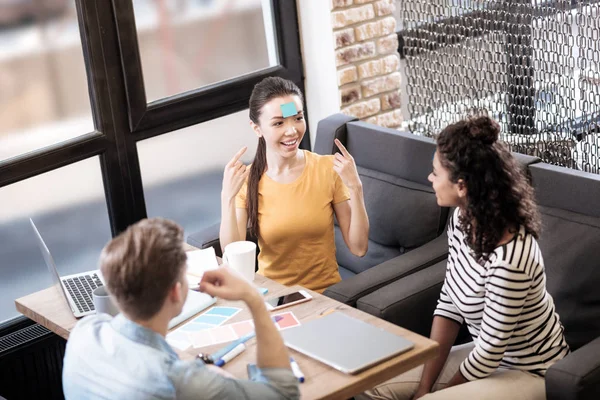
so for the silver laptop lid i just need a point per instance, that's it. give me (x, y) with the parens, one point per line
(49, 260)
(345, 343)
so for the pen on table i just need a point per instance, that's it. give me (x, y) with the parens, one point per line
(296, 370)
(220, 353)
(237, 350)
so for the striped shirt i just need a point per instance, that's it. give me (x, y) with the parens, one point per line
(505, 305)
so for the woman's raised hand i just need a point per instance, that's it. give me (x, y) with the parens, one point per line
(234, 176)
(345, 167)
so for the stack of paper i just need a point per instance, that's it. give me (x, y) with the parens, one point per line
(199, 261)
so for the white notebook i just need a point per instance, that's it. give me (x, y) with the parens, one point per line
(194, 303)
(198, 262)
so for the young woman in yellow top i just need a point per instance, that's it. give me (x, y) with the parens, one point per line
(288, 197)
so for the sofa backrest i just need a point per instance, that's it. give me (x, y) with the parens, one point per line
(569, 203)
(401, 205)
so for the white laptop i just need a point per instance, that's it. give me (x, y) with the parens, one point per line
(76, 288)
(345, 343)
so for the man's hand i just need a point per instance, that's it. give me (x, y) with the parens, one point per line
(227, 285)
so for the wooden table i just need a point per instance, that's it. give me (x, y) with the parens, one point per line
(49, 309)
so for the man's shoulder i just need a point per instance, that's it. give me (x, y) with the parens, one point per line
(89, 323)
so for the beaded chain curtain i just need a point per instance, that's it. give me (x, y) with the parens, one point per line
(533, 65)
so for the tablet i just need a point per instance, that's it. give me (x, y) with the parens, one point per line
(345, 343)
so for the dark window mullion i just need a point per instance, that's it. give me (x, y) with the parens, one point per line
(119, 163)
(285, 16)
(51, 157)
(210, 102)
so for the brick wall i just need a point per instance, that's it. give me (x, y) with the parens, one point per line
(366, 52)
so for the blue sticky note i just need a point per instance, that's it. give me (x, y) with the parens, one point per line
(289, 109)
(224, 311)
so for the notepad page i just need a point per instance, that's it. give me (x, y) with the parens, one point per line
(199, 261)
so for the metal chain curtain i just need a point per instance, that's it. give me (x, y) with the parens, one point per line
(533, 65)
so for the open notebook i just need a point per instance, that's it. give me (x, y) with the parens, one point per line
(194, 303)
(198, 261)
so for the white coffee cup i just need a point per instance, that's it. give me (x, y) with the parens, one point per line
(103, 303)
(241, 257)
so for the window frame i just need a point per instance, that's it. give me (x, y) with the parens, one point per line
(198, 105)
(121, 115)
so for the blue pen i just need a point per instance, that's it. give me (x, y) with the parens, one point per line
(237, 350)
(220, 353)
(296, 370)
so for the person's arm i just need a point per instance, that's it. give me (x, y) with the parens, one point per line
(352, 214)
(443, 331)
(275, 379)
(271, 352)
(233, 223)
(233, 220)
(194, 380)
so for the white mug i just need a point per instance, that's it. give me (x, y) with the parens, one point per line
(103, 303)
(241, 257)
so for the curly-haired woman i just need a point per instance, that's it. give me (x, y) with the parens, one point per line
(495, 280)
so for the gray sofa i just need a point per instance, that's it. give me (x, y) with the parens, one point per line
(570, 242)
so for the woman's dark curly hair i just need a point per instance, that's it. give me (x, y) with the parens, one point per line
(498, 193)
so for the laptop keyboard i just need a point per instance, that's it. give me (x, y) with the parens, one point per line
(80, 288)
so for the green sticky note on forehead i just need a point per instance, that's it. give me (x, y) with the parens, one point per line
(289, 109)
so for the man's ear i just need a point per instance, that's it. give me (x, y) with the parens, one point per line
(176, 293)
(256, 129)
(462, 189)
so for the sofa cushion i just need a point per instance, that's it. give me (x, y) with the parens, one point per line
(345, 273)
(570, 245)
(390, 151)
(402, 215)
(566, 189)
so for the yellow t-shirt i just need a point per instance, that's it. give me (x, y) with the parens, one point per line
(296, 240)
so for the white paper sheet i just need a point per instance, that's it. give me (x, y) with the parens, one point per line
(199, 261)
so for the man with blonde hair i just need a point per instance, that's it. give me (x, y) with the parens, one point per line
(127, 357)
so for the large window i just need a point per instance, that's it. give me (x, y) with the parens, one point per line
(185, 45)
(72, 219)
(96, 95)
(43, 89)
(183, 171)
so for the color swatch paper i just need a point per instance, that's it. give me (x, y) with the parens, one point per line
(216, 316)
(230, 332)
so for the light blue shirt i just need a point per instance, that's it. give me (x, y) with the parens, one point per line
(115, 358)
